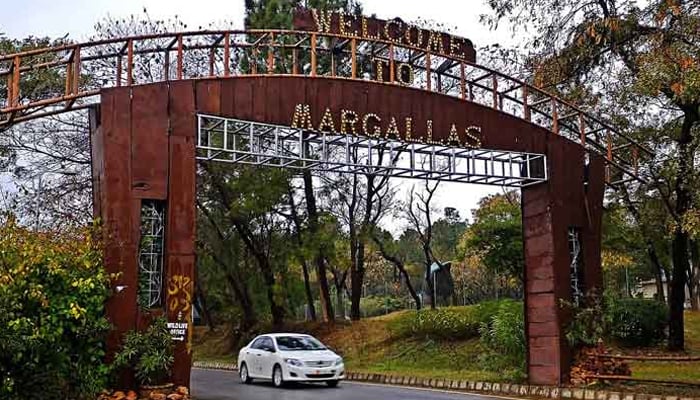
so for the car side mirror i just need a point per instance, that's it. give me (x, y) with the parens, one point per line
(270, 349)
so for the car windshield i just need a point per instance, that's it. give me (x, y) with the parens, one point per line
(293, 343)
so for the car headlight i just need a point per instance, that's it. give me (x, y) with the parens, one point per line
(339, 361)
(294, 362)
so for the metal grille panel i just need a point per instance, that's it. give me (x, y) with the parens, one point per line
(246, 142)
(150, 291)
(576, 266)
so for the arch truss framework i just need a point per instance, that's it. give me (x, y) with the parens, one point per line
(237, 141)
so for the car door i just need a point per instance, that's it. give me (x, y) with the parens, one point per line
(252, 357)
(268, 355)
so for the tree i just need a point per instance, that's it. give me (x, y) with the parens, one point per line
(638, 62)
(418, 212)
(387, 248)
(495, 237)
(278, 14)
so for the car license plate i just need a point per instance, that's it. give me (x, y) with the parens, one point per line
(317, 372)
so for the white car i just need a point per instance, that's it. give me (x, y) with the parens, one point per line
(289, 357)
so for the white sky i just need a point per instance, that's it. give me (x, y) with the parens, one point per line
(76, 18)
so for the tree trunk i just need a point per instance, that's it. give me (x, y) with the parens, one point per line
(243, 297)
(676, 340)
(429, 277)
(680, 244)
(312, 210)
(357, 276)
(402, 270)
(276, 310)
(694, 276)
(307, 290)
(201, 305)
(340, 304)
(302, 260)
(658, 272)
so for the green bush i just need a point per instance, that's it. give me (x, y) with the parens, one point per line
(503, 338)
(449, 323)
(52, 293)
(627, 322)
(372, 306)
(636, 322)
(149, 354)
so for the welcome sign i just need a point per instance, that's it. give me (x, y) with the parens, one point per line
(395, 31)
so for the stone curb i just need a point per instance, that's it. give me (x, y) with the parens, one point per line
(504, 389)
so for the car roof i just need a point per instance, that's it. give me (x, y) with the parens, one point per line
(284, 334)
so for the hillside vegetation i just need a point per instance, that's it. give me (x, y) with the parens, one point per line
(448, 344)
(452, 342)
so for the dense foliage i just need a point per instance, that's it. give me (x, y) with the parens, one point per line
(637, 322)
(627, 322)
(638, 63)
(449, 323)
(52, 291)
(149, 353)
(503, 337)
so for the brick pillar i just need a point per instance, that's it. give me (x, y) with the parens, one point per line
(571, 198)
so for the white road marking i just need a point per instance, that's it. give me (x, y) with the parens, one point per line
(431, 390)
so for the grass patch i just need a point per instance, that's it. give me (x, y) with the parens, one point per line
(674, 371)
(373, 346)
(684, 371)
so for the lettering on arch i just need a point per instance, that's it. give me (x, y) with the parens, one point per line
(394, 30)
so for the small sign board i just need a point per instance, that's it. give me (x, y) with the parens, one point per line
(178, 330)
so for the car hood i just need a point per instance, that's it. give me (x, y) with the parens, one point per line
(322, 355)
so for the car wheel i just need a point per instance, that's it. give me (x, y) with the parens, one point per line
(277, 378)
(243, 373)
(332, 383)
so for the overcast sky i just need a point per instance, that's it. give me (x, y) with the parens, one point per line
(76, 18)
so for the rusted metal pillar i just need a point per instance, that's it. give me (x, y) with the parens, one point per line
(570, 201)
(143, 151)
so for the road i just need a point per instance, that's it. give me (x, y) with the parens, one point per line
(224, 385)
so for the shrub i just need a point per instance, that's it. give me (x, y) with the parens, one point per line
(148, 353)
(52, 325)
(636, 322)
(450, 323)
(503, 338)
(627, 322)
(372, 306)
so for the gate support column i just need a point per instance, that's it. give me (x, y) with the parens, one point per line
(571, 200)
(143, 153)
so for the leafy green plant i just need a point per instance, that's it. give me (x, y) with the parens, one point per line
(503, 338)
(372, 306)
(449, 323)
(587, 325)
(148, 353)
(53, 287)
(628, 322)
(637, 322)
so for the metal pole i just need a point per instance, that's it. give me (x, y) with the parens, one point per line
(435, 289)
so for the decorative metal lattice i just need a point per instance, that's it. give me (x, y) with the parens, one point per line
(576, 266)
(246, 142)
(150, 293)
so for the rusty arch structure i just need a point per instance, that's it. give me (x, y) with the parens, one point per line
(147, 96)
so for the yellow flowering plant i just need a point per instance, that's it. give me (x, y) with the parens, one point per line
(52, 292)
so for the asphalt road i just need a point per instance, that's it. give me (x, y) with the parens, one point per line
(225, 385)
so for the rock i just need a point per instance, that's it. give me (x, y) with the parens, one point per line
(131, 395)
(175, 396)
(157, 396)
(183, 390)
(118, 395)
